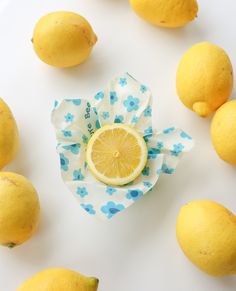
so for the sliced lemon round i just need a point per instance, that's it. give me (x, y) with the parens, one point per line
(116, 154)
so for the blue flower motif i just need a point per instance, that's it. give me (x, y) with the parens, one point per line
(131, 103)
(76, 102)
(119, 119)
(97, 124)
(165, 169)
(185, 135)
(148, 111)
(85, 165)
(55, 104)
(74, 148)
(64, 162)
(82, 191)
(113, 97)
(85, 139)
(99, 96)
(88, 208)
(123, 82)
(95, 110)
(110, 209)
(110, 190)
(105, 115)
(78, 176)
(67, 133)
(177, 149)
(143, 88)
(168, 130)
(134, 119)
(147, 137)
(148, 130)
(153, 152)
(134, 194)
(160, 145)
(147, 184)
(146, 171)
(69, 117)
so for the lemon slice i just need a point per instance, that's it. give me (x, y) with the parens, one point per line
(116, 154)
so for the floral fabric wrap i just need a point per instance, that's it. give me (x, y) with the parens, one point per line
(125, 100)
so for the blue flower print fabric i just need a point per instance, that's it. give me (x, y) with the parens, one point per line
(125, 100)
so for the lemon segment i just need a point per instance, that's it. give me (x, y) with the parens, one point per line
(116, 154)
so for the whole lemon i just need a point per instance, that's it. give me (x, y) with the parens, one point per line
(223, 132)
(9, 137)
(204, 78)
(167, 13)
(206, 232)
(59, 280)
(19, 209)
(63, 39)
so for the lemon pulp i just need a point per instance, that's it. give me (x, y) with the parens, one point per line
(116, 154)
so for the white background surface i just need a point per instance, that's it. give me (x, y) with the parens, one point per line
(137, 250)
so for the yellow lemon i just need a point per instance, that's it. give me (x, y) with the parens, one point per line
(59, 280)
(206, 232)
(19, 209)
(63, 39)
(167, 13)
(223, 132)
(9, 138)
(204, 78)
(116, 154)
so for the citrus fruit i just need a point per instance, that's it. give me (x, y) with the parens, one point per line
(63, 39)
(116, 154)
(223, 132)
(206, 232)
(19, 209)
(9, 138)
(167, 13)
(59, 280)
(204, 78)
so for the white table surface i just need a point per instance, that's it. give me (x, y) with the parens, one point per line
(136, 250)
